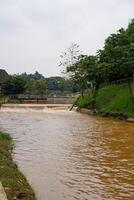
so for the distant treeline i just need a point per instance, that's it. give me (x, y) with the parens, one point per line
(37, 84)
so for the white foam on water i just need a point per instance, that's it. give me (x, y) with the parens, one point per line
(38, 109)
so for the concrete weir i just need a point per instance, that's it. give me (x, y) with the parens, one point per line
(37, 106)
(2, 193)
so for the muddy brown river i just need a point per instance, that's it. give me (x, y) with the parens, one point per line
(70, 156)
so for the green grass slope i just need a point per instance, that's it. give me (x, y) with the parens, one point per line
(85, 101)
(111, 100)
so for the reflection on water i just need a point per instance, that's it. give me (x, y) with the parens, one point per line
(67, 155)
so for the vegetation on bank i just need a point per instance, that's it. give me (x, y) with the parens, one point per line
(112, 100)
(85, 101)
(14, 182)
(114, 62)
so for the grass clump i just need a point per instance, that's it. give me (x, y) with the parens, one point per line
(14, 182)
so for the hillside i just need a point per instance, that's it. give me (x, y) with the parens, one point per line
(112, 100)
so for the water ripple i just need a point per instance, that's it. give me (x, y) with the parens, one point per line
(67, 155)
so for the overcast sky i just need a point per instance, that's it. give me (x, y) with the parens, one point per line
(33, 33)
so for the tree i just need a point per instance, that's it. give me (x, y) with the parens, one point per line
(83, 71)
(36, 87)
(13, 85)
(3, 75)
(116, 60)
(69, 57)
(40, 87)
(53, 83)
(60, 85)
(29, 87)
(30, 77)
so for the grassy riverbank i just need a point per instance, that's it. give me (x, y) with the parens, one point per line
(14, 182)
(113, 100)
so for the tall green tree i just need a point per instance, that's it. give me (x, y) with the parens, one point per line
(83, 72)
(116, 59)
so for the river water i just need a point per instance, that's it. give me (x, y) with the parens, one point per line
(70, 156)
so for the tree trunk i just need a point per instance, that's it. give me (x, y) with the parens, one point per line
(82, 93)
(131, 91)
(93, 92)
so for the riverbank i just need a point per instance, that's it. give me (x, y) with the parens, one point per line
(13, 181)
(113, 100)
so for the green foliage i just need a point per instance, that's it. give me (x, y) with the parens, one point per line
(116, 60)
(32, 77)
(36, 84)
(58, 83)
(83, 71)
(13, 85)
(36, 87)
(85, 101)
(40, 87)
(55, 83)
